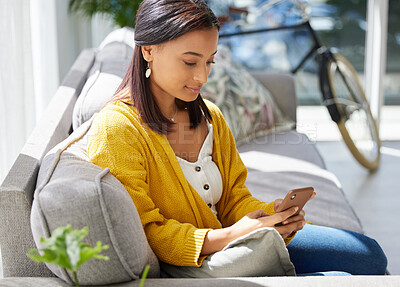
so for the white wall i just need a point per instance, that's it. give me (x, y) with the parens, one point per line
(39, 41)
(17, 101)
(72, 35)
(75, 33)
(44, 52)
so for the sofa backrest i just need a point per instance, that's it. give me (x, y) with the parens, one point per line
(16, 191)
(282, 88)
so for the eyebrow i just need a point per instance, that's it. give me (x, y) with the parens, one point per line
(197, 54)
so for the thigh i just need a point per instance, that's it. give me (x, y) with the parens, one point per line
(319, 249)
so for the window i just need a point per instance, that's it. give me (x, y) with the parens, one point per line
(392, 80)
(340, 24)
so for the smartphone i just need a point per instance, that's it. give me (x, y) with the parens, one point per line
(296, 197)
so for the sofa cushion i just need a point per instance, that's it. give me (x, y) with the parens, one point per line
(247, 105)
(72, 190)
(261, 252)
(111, 63)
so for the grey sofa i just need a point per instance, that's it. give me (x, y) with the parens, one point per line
(293, 161)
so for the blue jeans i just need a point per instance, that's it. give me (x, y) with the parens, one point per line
(317, 249)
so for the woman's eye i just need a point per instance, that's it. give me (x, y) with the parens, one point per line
(193, 64)
(189, 63)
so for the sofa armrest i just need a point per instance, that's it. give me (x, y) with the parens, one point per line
(16, 191)
(282, 89)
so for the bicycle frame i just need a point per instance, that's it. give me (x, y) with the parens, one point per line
(317, 44)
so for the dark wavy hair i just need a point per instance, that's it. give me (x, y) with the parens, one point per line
(159, 21)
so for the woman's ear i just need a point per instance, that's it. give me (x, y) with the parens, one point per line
(147, 52)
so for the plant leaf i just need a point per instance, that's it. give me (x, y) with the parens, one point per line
(144, 275)
(51, 257)
(88, 252)
(66, 249)
(123, 12)
(74, 245)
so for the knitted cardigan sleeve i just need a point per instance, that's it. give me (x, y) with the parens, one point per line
(115, 143)
(236, 200)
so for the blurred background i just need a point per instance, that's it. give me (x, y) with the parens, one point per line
(339, 23)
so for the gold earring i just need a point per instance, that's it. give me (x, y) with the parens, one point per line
(148, 71)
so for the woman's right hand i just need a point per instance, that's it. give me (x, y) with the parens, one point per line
(259, 218)
(217, 239)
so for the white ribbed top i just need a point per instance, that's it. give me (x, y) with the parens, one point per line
(203, 175)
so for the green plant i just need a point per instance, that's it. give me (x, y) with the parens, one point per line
(66, 249)
(123, 12)
(144, 275)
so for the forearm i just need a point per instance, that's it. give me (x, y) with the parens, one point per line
(215, 240)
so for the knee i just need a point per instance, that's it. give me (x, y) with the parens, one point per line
(365, 255)
(379, 258)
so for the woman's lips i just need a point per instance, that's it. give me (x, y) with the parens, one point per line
(194, 90)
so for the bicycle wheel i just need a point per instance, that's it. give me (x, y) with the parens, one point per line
(356, 123)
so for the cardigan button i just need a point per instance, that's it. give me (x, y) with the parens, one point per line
(198, 168)
(206, 187)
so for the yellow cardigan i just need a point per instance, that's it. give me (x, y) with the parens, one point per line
(174, 217)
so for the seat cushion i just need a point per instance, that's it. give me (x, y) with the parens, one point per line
(286, 143)
(72, 190)
(285, 161)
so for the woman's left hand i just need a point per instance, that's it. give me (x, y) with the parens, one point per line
(296, 218)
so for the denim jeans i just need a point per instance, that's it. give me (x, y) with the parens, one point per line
(317, 249)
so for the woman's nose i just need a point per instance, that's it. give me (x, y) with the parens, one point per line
(201, 75)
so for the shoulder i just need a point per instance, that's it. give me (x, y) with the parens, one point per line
(211, 106)
(116, 115)
(117, 123)
(222, 132)
(115, 137)
(214, 110)
(218, 119)
(119, 108)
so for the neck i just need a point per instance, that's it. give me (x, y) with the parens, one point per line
(165, 102)
(176, 111)
(170, 110)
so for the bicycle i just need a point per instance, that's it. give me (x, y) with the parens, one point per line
(342, 92)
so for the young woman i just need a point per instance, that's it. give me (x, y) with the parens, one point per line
(177, 158)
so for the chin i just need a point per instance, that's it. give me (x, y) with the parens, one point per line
(189, 99)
